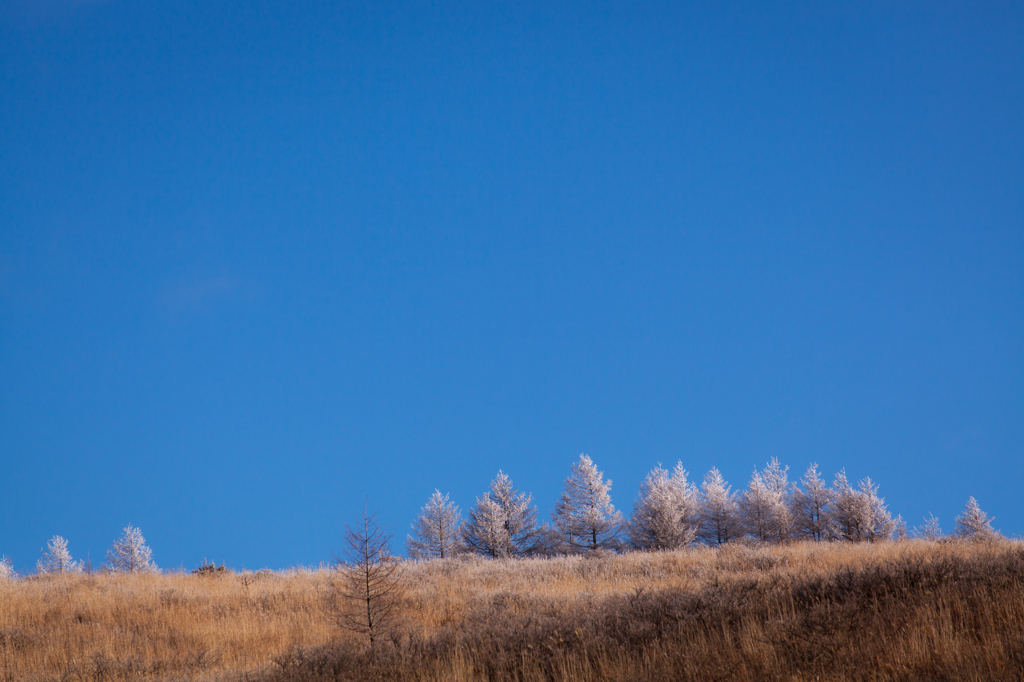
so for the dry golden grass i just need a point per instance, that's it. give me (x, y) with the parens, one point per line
(902, 611)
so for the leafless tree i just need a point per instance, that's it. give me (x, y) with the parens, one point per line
(367, 591)
(438, 530)
(931, 530)
(974, 524)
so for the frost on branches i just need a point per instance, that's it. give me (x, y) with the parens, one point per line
(810, 506)
(57, 559)
(974, 524)
(584, 516)
(719, 518)
(437, 530)
(130, 553)
(667, 514)
(6, 569)
(503, 523)
(860, 514)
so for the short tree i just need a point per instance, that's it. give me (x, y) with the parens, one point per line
(974, 524)
(719, 521)
(851, 511)
(6, 569)
(130, 553)
(57, 559)
(810, 506)
(367, 593)
(881, 525)
(930, 530)
(503, 523)
(584, 515)
(667, 513)
(437, 530)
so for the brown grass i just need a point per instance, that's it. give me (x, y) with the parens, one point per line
(894, 611)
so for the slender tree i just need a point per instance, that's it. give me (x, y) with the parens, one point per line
(130, 553)
(776, 479)
(503, 523)
(757, 507)
(366, 595)
(667, 513)
(881, 525)
(6, 569)
(584, 515)
(810, 504)
(930, 530)
(438, 530)
(974, 524)
(719, 520)
(57, 559)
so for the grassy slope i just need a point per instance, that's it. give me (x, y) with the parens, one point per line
(902, 611)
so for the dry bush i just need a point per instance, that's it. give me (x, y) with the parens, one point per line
(891, 611)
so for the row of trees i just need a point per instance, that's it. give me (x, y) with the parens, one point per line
(670, 513)
(128, 554)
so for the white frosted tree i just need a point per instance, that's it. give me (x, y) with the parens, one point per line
(719, 518)
(667, 513)
(809, 506)
(503, 523)
(57, 559)
(851, 511)
(437, 530)
(776, 479)
(931, 530)
(584, 516)
(757, 509)
(6, 569)
(881, 525)
(974, 524)
(130, 553)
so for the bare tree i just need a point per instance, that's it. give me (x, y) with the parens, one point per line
(438, 530)
(367, 592)
(584, 515)
(881, 525)
(57, 559)
(6, 569)
(974, 524)
(667, 513)
(810, 506)
(504, 522)
(930, 530)
(757, 509)
(130, 553)
(860, 514)
(719, 521)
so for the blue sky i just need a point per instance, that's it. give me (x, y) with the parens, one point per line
(261, 264)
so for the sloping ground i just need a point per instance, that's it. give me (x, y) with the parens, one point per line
(893, 611)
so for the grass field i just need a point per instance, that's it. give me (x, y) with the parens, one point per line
(910, 610)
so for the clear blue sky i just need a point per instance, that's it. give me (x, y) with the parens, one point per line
(262, 262)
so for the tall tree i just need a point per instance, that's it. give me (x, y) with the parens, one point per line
(57, 559)
(776, 479)
(366, 597)
(666, 515)
(584, 515)
(881, 525)
(757, 509)
(130, 553)
(974, 524)
(438, 529)
(719, 519)
(810, 506)
(851, 511)
(503, 523)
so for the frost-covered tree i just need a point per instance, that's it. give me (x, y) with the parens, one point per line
(860, 514)
(809, 506)
(584, 516)
(57, 559)
(776, 479)
(130, 553)
(930, 530)
(6, 569)
(851, 511)
(503, 523)
(667, 513)
(881, 525)
(719, 517)
(974, 524)
(438, 529)
(757, 506)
